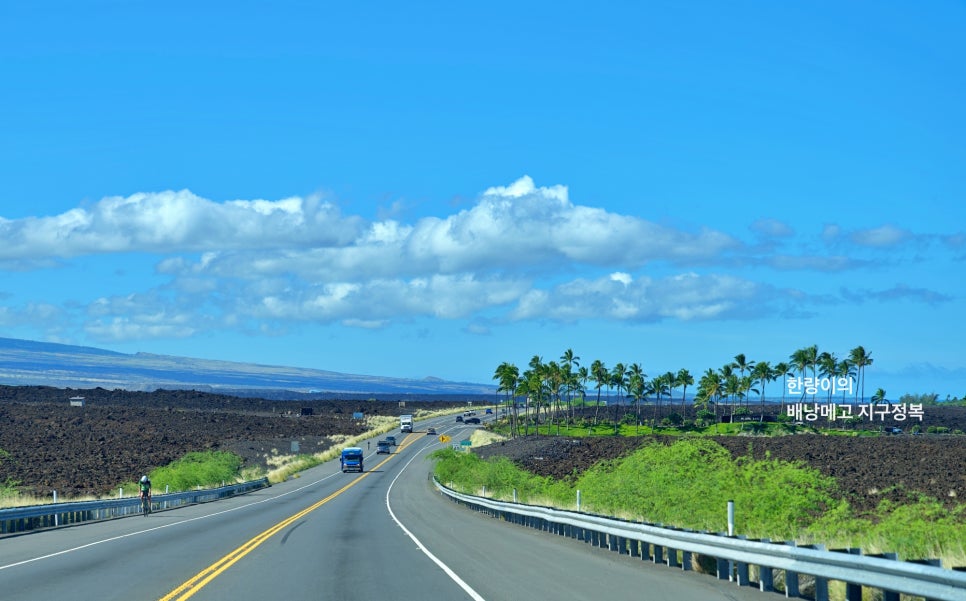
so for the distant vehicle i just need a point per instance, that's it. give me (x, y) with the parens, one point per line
(893, 430)
(489, 412)
(391, 440)
(430, 430)
(459, 418)
(471, 420)
(383, 446)
(351, 459)
(406, 423)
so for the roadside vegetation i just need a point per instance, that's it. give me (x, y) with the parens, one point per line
(689, 483)
(211, 469)
(738, 388)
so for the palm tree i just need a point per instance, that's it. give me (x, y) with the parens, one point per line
(727, 372)
(538, 371)
(811, 356)
(845, 371)
(742, 364)
(553, 375)
(799, 361)
(600, 375)
(684, 379)
(733, 387)
(860, 359)
(879, 397)
(508, 376)
(762, 372)
(583, 376)
(618, 378)
(709, 391)
(782, 370)
(828, 366)
(661, 385)
(569, 360)
(637, 387)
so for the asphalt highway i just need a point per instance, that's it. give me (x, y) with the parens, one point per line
(324, 535)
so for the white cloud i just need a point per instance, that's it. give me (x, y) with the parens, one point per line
(686, 296)
(831, 232)
(121, 329)
(886, 235)
(521, 252)
(171, 222)
(772, 228)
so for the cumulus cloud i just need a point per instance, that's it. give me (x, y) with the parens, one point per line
(897, 292)
(818, 263)
(884, 236)
(519, 252)
(171, 222)
(687, 297)
(771, 228)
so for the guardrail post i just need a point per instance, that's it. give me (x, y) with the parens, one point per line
(853, 592)
(927, 562)
(791, 579)
(741, 570)
(672, 558)
(821, 584)
(887, 595)
(766, 582)
(658, 554)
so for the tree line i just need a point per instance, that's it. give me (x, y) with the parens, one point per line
(559, 386)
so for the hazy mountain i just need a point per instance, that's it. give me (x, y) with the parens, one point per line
(31, 363)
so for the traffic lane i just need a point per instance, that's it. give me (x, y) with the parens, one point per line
(348, 548)
(502, 561)
(157, 552)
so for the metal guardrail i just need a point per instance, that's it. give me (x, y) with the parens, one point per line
(35, 517)
(734, 555)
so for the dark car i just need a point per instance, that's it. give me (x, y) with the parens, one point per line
(391, 440)
(489, 412)
(431, 431)
(471, 420)
(459, 418)
(383, 446)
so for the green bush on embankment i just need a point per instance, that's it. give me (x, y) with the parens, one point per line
(689, 483)
(205, 469)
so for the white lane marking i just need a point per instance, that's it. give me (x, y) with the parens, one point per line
(180, 523)
(449, 572)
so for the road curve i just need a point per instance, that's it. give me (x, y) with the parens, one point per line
(383, 534)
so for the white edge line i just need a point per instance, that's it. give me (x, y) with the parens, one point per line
(201, 517)
(449, 572)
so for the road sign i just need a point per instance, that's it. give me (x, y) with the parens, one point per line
(465, 442)
(444, 438)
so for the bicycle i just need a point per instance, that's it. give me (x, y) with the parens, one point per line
(145, 504)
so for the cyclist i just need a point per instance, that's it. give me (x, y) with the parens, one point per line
(145, 493)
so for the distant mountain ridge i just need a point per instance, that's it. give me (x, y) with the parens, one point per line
(32, 363)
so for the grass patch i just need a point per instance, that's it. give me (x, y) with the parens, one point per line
(204, 469)
(689, 483)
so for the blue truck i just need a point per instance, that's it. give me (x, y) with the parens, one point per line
(351, 459)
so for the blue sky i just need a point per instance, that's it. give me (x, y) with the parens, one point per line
(432, 188)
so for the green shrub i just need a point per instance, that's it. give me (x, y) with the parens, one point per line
(205, 469)
(689, 483)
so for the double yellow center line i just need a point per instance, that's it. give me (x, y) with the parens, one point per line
(202, 578)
